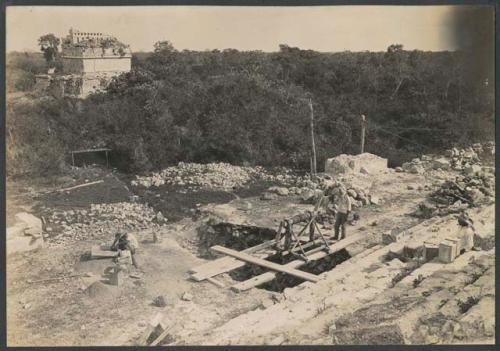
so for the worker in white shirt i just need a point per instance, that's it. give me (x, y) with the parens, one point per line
(343, 207)
(126, 241)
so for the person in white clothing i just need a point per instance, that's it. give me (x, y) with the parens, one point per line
(343, 207)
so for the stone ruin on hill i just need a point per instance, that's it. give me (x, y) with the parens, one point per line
(89, 62)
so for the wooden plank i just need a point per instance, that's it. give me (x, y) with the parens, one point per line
(268, 276)
(267, 264)
(161, 336)
(80, 186)
(152, 324)
(90, 150)
(297, 248)
(223, 261)
(226, 264)
(97, 252)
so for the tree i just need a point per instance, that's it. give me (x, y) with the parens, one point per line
(395, 48)
(49, 45)
(163, 47)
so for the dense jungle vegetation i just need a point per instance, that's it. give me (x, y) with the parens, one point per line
(253, 108)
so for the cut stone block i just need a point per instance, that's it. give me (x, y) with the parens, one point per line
(116, 276)
(441, 163)
(393, 236)
(448, 251)
(431, 251)
(354, 163)
(98, 252)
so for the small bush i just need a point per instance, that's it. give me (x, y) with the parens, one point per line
(467, 304)
(418, 280)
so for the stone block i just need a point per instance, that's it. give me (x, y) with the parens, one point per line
(441, 163)
(268, 196)
(416, 169)
(116, 276)
(343, 164)
(374, 199)
(448, 251)
(473, 169)
(393, 236)
(281, 191)
(431, 251)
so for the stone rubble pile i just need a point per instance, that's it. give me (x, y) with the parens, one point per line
(468, 160)
(464, 192)
(312, 192)
(101, 221)
(359, 197)
(213, 176)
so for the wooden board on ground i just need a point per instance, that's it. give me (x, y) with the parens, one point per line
(226, 264)
(268, 276)
(267, 264)
(97, 252)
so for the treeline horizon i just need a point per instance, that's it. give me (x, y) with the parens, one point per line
(251, 107)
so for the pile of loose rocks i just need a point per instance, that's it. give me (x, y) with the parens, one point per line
(313, 192)
(213, 176)
(465, 191)
(100, 221)
(468, 160)
(359, 197)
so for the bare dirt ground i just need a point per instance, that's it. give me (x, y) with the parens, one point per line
(57, 296)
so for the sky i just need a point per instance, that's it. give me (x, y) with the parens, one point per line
(320, 28)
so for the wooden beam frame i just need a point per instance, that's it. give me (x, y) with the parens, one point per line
(268, 276)
(226, 264)
(267, 264)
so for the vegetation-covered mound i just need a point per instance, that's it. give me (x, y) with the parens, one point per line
(253, 108)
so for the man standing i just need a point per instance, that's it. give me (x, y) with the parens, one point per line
(343, 207)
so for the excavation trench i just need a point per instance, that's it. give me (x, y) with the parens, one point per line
(282, 280)
(240, 237)
(234, 236)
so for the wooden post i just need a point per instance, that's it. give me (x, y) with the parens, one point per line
(311, 165)
(313, 145)
(73, 158)
(107, 162)
(363, 127)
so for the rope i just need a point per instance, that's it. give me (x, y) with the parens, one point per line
(402, 138)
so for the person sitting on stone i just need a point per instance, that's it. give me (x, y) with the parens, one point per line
(466, 231)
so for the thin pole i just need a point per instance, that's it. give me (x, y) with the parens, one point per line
(107, 162)
(363, 128)
(311, 164)
(73, 158)
(313, 145)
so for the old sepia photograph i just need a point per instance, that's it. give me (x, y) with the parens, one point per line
(250, 175)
